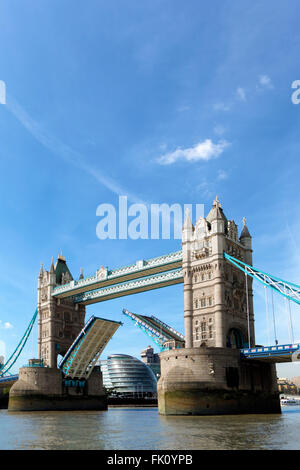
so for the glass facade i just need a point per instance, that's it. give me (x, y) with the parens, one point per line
(128, 376)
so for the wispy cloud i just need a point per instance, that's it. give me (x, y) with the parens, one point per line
(241, 94)
(219, 130)
(266, 82)
(6, 325)
(204, 151)
(221, 106)
(64, 151)
(222, 175)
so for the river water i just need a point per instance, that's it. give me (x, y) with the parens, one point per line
(144, 428)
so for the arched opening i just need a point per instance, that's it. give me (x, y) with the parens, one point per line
(235, 339)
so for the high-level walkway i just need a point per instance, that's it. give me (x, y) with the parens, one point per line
(107, 284)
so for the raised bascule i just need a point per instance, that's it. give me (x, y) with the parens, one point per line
(215, 368)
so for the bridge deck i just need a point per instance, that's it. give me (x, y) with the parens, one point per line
(158, 331)
(8, 379)
(81, 358)
(275, 354)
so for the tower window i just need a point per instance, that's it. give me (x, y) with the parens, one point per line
(203, 302)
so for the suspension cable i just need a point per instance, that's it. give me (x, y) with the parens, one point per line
(288, 318)
(267, 315)
(291, 319)
(14, 356)
(248, 316)
(274, 323)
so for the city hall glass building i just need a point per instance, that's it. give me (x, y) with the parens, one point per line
(128, 376)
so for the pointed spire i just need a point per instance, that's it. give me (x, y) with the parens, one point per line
(187, 222)
(61, 257)
(245, 232)
(216, 212)
(52, 266)
(41, 270)
(216, 202)
(81, 274)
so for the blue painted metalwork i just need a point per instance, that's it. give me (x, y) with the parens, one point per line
(270, 351)
(74, 383)
(9, 378)
(36, 364)
(154, 281)
(13, 358)
(159, 337)
(84, 336)
(154, 334)
(66, 361)
(286, 289)
(165, 262)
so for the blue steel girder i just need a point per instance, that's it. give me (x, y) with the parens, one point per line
(154, 334)
(83, 354)
(286, 289)
(105, 277)
(135, 286)
(276, 354)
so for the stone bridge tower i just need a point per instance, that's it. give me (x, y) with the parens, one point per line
(209, 375)
(59, 320)
(215, 301)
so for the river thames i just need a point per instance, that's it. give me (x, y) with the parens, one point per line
(144, 428)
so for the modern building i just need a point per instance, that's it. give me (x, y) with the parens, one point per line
(151, 359)
(287, 386)
(127, 376)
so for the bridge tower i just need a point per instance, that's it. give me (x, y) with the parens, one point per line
(59, 323)
(209, 376)
(217, 311)
(59, 320)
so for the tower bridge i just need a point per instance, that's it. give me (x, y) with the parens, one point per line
(215, 368)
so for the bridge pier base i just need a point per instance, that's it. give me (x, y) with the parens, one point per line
(42, 389)
(215, 381)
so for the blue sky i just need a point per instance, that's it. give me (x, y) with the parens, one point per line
(162, 101)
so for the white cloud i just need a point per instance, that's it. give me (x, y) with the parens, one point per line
(241, 94)
(219, 130)
(183, 108)
(222, 175)
(265, 81)
(205, 151)
(2, 348)
(221, 106)
(205, 188)
(6, 325)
